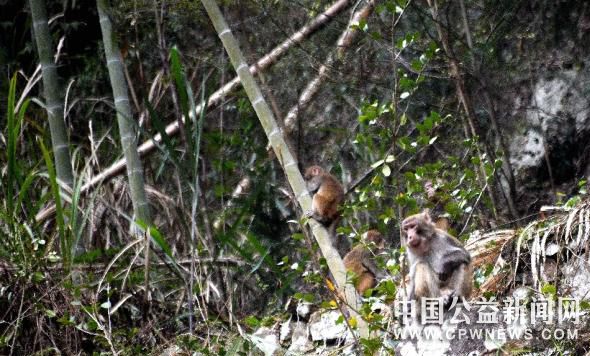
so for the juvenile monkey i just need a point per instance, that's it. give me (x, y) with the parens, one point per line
(361, 261)
(440, 267)
(328, 194)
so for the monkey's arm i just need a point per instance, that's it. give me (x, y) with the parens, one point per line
(324, 208)
(453, 269)
(412, 285)
(448, 258)
(459, 284)
(313, 184)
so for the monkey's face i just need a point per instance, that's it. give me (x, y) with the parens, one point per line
(375, 237)
(312, 171)
(376, 245)
(418, 234)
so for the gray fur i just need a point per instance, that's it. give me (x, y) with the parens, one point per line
(446, 257)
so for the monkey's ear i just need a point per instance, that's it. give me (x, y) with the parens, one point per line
(426, 215)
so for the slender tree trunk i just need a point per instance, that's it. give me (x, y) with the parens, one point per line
(506, 166)
(127, 127)
(455, 73)
(285, 157)
(52, 93)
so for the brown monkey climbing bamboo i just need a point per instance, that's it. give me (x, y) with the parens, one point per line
(285, 157)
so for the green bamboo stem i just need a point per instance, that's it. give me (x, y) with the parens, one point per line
(52, 93)
(127, 126)
(286, 159)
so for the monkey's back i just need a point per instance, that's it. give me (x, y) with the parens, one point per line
(327, 199)
(331, 189)
(353, 261)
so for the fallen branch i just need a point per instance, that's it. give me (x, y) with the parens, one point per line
(313, 87)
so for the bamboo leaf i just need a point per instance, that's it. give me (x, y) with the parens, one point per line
(59, 217)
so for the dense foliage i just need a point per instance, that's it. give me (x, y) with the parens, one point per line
(227, 248)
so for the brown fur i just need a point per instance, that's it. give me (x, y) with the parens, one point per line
(360, 261)
(328, 195)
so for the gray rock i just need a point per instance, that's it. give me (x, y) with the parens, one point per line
(266, 340)
(323, 327)
(300, 343)
(577, 277)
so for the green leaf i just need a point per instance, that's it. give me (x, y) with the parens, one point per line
(403, 119)
(178, 73)
(59, 215)
(549, 289)
(406, 83)
(417, 65)
(252, 321)
(50, 313)
(159, 239)
(386, 170)
(11, 145)
(38, 277)
(377, 164)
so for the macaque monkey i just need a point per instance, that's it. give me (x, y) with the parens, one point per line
(328, 194)
(361, 261)
(440, 267)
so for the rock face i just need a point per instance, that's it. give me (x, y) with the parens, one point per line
(553, 128)
(577, 278)
(300, 343)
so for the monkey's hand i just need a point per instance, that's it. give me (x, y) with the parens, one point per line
(450, 299)
(311, 214)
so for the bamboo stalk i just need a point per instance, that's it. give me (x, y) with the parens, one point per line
(53, 93)
(127, 127)
(286, 159)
